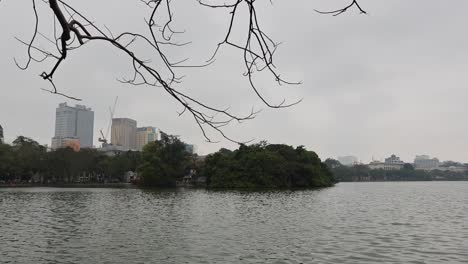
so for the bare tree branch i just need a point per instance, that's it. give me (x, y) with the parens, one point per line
(76, 30)
(342, 10)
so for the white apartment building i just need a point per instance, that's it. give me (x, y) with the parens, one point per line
(424, 162)
(391, 163)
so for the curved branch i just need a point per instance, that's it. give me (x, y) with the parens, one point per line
(258, 52)
(342, 10)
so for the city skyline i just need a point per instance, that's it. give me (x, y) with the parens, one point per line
(421, 161)
(347, 156)
(96, 144)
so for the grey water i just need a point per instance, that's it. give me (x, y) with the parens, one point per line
(392, 222)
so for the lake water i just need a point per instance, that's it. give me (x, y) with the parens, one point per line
(394, 222)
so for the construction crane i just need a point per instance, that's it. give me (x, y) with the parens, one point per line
(104, 137)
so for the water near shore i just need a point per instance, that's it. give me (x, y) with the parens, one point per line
(392, 222)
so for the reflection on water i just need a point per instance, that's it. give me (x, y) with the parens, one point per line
(423, 222)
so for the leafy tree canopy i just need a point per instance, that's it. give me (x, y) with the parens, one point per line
(266, 166)
(163, 162)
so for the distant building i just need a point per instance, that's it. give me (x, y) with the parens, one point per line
(376, 165)
(452, 166)
(449, 163)
(458, 169)
(144, 135)
(424, 162)
(190, 148)
(112, 150)
(391, 163)
(73, 124)
(348, 160)
(124, 133)
(72, 143)
(1, 135)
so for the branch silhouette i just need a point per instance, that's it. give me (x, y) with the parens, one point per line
(76, 30)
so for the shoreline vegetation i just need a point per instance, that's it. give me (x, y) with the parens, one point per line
(362, 173)
(71, 185)
(167, 164)
(163, 164)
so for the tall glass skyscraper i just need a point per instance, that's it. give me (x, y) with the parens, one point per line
(73, 125)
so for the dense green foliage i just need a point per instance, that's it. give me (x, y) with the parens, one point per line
(266, 166)
(407, 173)
(164, 162)
(28, 162)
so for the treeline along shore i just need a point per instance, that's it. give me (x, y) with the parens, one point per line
(167, 163)
(163, 163)
(362, 173)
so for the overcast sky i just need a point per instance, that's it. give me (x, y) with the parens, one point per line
(394, 81)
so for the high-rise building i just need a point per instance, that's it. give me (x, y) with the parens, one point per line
(73, 124)
(144, 135)
(123, 133)
(1, 134)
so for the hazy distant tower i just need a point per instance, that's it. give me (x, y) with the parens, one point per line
(124, 131)
(73, 125)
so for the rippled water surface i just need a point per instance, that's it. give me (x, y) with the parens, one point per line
(408, 222)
